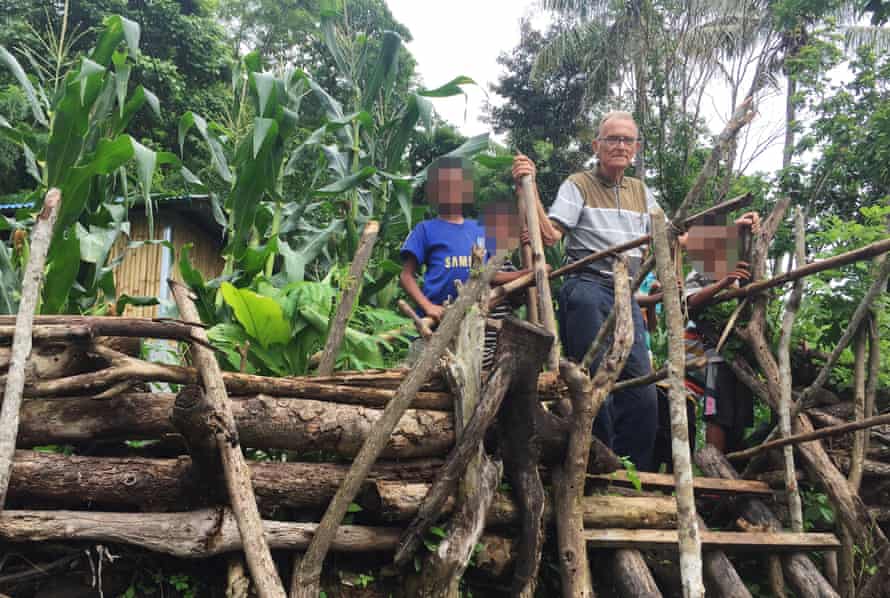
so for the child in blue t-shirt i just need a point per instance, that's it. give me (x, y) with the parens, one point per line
(444, 244)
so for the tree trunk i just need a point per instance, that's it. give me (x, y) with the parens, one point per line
(50, 479)
(22, 340)
(631, 575)
(690, 542)
(262, 422)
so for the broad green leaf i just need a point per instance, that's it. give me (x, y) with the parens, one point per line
(122, 80)
(263, 128)
(9, 283)
(384, 70)
(190, 275)
(146, 163)
(131, 35)
(260, 316)
(88, 70)
(346, 183)
(452, 88)
(217, 156)
(124, 300)
(265, 89)
(110, 38)
(494, 162)
(13, 65)
(63, 263)
(470, 147)
(152, 101)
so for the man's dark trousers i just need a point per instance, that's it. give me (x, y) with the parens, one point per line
(628, 419)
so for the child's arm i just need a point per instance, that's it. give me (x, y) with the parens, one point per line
(408, 279)
(704, 296)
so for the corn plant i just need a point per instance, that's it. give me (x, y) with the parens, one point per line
(76, 140)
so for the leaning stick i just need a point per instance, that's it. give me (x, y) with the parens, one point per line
(878, 420)
(21, 342)
(877, 287)
(237, 474)
(692, 364)
(524, 205)
(539, 265)
(344, 309)
(687, 520)
(309, 572)
(856, 255)
(785, 387)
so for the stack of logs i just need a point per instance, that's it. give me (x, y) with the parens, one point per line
(91, 393)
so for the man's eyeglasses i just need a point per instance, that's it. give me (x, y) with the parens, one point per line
(615, 141)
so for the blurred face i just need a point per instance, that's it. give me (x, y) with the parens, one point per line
(713, 250)
(616, 145)
(449, 189)
(501, 222)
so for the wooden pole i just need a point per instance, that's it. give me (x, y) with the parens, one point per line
(568, 478)
(309, 571)
(877, 420)
(539, 262)
(690, 540)
(41, 238)
(785, 379)
(237, 474)
(347, 300)
(527, 255)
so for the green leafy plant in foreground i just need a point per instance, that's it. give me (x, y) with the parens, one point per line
(76, 140)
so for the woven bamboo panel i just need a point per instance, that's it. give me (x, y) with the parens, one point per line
(142, 268)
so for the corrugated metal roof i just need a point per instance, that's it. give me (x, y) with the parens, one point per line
(12, 206)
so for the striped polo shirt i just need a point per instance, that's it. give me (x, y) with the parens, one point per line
(598, 214)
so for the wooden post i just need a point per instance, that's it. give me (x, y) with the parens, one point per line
(309, 571)
(237, 475)
(542, 280)
(785, 379)
(690, 541)
(347, 299)
(568, 479)
(21, 342)
(527, 255)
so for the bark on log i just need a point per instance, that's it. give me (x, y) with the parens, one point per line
(721, 577)
(526, 254)
(524, 429)
(52, 479)
(136, 370)
(262, 422)
(690, 542)
(32, 281)
(347, 300)
(193, 534)
(193, 418)
(399, 501)
(236, 473)
(447, 480)
(309, 571)
(804, 577)
(587, 396)
(631, 575)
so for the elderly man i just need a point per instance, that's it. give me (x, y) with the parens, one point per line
(595, 210)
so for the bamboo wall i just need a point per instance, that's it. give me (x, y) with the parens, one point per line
(140, 272)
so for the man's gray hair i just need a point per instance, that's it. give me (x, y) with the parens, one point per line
(615, 115)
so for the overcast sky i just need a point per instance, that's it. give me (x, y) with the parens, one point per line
(465, 37)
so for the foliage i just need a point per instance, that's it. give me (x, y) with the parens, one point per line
(76, 140)
(545, 117)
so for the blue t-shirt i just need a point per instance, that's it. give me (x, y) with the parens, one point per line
(446, 250)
